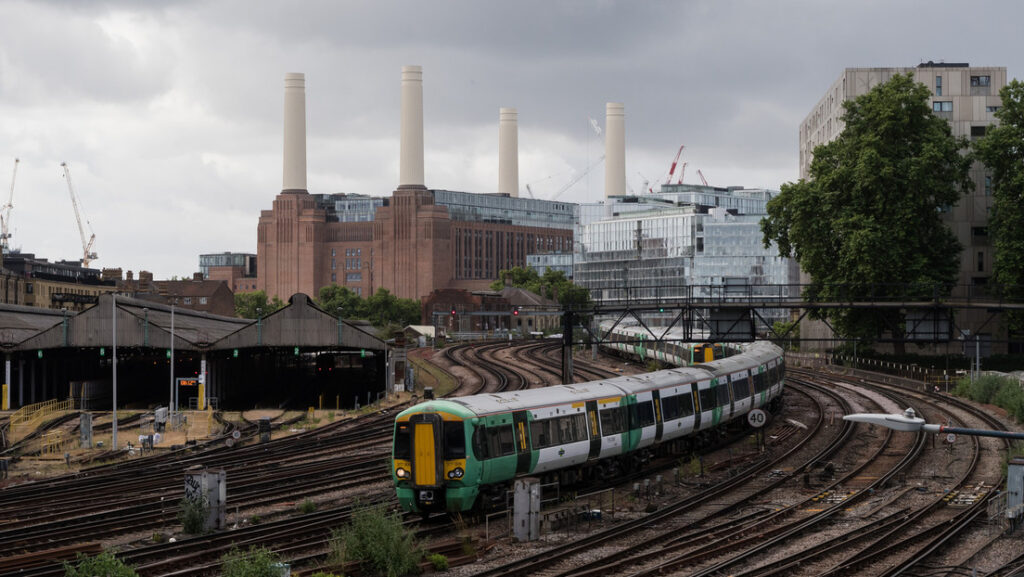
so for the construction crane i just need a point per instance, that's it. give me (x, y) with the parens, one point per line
(5, 214)
(682, 171)
(529, 191)
(87, 255)
(675, 161)
(702, 179)
(577, 178)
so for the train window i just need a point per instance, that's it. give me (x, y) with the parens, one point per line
(707, 399)
(685, 404)
(454, 440)
(572, 428)
(502, 441)
(540, 433)
(722, 394)
(758, 380)
(480, 444)
(740, 388)
(403, 446)
(642, 414)
(613, 421)
(670, 408)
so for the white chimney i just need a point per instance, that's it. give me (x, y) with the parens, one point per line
(508, 152)
(294, 132)
(614, 149)
(411, 168)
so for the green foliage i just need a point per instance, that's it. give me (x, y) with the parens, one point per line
(105, 564)
(868, 223)
(246, 304)
(325, 574)
(255, 562)
(786, 334)
(383, 309)
(1002, 151)
(439, 561)
(307, 506)
(553, 285)
(378, 542)
(192, 515)
(992, 389)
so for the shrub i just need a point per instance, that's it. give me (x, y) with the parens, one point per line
(439, 561)
(104, 564)
(193, 515)
(307, 506)
(378, 542)
(255, 562)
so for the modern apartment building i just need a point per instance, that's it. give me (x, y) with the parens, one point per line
(966, 96)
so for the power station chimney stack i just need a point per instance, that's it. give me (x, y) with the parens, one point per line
(508, 152)
(614, 149)
(294, 132)
(411, 169)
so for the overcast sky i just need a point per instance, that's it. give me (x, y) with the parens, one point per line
(169, 114)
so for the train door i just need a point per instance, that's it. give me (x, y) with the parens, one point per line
(659, 419)
(523, 452)
(427, 458)
(594, 429)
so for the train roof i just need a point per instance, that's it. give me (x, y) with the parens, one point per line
(492, 403)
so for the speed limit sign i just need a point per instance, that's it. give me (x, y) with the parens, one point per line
(757, 418)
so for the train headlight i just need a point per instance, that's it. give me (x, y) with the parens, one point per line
(401, 473)
(456, 473)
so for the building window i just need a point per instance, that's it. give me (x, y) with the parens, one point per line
(334, 277)
(334, 264)
(334, 252)
(991, 109)
(980, 80)
(354, 277)
(988, 186)
(979, 231)
(977, 131)
(938, 86)
(187, 300)
(202, 300)
(981, 261)
(942, 106)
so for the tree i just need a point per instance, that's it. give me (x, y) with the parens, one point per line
(333, 297)
(868, 222)
(246, 304)
(382, 308)
(1002, 151)
(553, 285)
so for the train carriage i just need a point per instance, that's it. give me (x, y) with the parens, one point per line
(449, 452)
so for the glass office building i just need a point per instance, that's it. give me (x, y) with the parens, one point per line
(687, 241)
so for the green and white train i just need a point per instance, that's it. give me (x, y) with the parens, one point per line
(460, 453)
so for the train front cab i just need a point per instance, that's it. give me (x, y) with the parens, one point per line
(429, 462)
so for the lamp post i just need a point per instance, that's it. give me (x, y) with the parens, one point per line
(113, 316)
(259, 326)
(171, 402)
(909, 422)
(339, 326)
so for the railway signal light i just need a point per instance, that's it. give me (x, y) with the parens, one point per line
(515, 312)
(453, 311)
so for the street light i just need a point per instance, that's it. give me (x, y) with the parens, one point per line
(173, 405)
(909, 422)
(113, 317)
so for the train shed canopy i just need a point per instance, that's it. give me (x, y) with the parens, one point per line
(147, 324)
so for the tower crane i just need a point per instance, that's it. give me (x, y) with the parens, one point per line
(682, 171)
(675, 161)
(702, 179)
(5, 214)
(87, 256)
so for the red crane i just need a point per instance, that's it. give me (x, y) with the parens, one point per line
(702, 179)
(675, 161)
